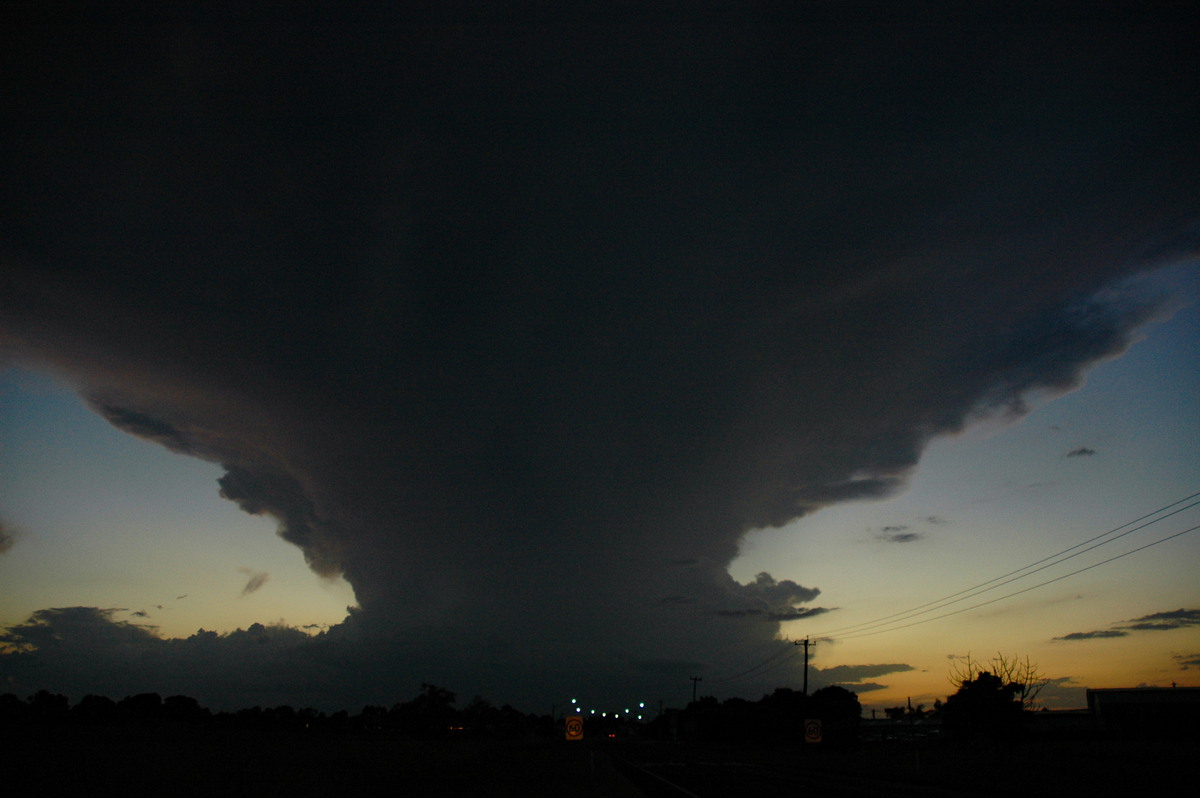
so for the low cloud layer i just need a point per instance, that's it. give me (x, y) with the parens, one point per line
(91, 650)
(522, 329)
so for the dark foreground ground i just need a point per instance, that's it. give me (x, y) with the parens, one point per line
(181, 761)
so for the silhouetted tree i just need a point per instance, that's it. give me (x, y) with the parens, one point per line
(95, 709)
(1022, 674)
(183, 709)
(12, 710)
(431, 712)
(47, 707)
(839, 711)
(984, 705)
(141, 708)
(372, 718)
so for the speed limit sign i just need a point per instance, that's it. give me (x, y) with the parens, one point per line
(574, 727)
(812, 731)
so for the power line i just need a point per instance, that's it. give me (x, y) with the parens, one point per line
(1023, 572)
(979, 590)
(1023, 590)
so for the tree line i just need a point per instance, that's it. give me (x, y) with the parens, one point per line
(432, 713)
(991, 699)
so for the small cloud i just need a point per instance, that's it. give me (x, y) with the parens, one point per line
(898, 534)
(140, 614)
(185, 595)
(256, 581)
(7, 539)
(1097, 634)
(936, 520)
(1082, 451)
(1187, 661)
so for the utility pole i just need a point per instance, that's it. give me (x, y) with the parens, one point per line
(804, 643)
(694, 680)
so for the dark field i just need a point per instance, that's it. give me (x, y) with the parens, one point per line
(180, 761)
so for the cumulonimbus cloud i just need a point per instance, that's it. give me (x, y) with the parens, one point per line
(522, 332)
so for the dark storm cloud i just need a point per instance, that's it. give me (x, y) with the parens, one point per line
(521, 328)
(143, 426)
(84, 650)
(51, 630)
(1082, 451)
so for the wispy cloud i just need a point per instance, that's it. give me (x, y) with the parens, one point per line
(255, 582)
(1099, 633)
(899, 534)
(1174, 619)
(1187, 661)
(1082, 451)
(1154, 622)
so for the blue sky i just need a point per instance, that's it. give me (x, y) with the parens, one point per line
(1000, 496)
(104, 519)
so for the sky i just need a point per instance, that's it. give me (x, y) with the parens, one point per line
(543, 360)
